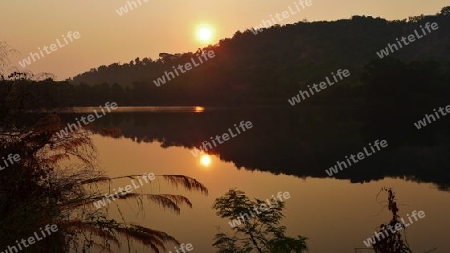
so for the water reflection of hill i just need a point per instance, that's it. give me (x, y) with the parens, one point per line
(305, 141)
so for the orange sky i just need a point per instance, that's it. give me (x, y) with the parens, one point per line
(158, 26)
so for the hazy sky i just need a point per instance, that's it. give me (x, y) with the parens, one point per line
(158, 26)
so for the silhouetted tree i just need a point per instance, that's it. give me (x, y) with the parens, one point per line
(260, 231)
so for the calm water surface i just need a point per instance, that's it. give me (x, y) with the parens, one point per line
(282, 152)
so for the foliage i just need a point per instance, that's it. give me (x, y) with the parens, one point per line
(266, 68)
(270, 66)
(261, 232)
(57, 180)
(395, 242)
(41, 190)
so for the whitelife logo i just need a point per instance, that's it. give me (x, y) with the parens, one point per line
(188, 66)
(280, 17)
(123, 10)
(263, 207)
(10, 158)
(32, 239)
(90, 118)
(323, 85)
(411, 38)
(181, 249)
(393, 229)
(423, 123)
(225, 137)
(359, 157)
(122, 192)
(53, 47)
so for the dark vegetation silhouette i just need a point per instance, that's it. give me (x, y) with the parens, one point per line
(393, 242)
(305, 141)
(270, 67)
(44, 188)
(393, 99)
(382, 98)
(273, 65)
(258, 232)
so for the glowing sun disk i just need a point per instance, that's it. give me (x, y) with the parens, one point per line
(205, 160)
(204, 34)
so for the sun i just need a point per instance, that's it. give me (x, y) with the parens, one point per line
(205, 160)
(204, 33)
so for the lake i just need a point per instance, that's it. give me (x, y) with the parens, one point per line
(284, 151)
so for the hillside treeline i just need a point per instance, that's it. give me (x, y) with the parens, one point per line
(273, 65)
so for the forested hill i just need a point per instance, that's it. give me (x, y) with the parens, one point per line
(276, 62)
